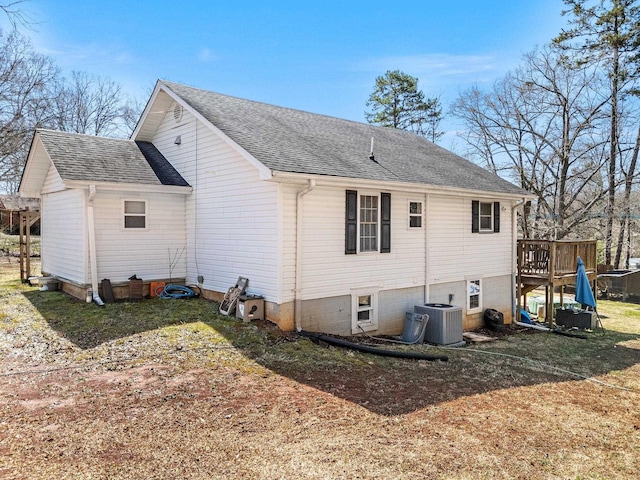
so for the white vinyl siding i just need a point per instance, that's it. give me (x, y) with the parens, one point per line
(328, 272)
(52, 182)
(233, 217)
(63, 233)
(157, 251)
(455, 252)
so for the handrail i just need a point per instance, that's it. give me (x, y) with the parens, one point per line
(535, 257)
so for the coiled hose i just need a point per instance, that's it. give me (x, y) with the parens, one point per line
(177, 291)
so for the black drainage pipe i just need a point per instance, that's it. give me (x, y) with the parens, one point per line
(317, 337)
(568, 334)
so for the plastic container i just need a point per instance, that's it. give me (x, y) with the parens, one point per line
(493, 319)
(414, 327)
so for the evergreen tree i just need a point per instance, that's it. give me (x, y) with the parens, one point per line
(397, 102)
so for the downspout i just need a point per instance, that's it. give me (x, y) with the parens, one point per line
(298, 289)
(92, 247)
(426, 247)
(515, 315)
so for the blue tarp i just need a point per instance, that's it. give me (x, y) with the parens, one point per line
(584, 294)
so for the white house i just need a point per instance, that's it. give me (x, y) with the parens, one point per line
(341, 226)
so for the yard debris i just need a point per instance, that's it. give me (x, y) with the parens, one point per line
(477, 337)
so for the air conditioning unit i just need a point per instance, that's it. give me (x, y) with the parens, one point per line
(445, 323)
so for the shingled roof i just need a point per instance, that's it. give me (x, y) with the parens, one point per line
(295, 141)
(100, 159)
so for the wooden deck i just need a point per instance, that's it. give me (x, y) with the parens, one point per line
(551, 264)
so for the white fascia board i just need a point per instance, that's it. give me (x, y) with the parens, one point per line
(344, 182)
(145, 112)
(265, 173)
(36, 146)
(129, 187)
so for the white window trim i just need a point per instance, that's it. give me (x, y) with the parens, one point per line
(372, 323)
(145, 215)
(411, 215)
(378, 229)
(470, 281)
(480, 216)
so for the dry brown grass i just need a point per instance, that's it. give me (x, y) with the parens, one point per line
(163, 390)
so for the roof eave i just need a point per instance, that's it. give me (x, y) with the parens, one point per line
(345, 182)
(129, 187)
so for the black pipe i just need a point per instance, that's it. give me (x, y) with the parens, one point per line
(373, 350)
(567, 334)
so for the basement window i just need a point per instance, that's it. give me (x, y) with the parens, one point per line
(474, 296)
(364, 310)
(135, 214)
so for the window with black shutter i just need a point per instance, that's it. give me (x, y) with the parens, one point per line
(485, 217)
(367, 222)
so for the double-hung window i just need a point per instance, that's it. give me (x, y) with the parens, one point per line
(368, 222)
(364, 310)
(415, 214)
(135, 213)
(474, 295)
(485, 217)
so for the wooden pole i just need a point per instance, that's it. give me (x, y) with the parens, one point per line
(28, 245)
(552, 274)
(21, 244)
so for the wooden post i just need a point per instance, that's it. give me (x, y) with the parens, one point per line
(21, 244)
(27, 227)
(27, 219)
(552, 274)
(519, 282)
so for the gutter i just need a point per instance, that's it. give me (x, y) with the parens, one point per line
(298, 288)
(344, 182)
(92, 247)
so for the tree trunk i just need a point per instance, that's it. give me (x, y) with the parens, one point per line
(625, 221)
(610, 210)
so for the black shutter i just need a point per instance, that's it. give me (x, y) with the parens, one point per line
(351, 223)
(385, 224)
(475, 216)
(496, 217)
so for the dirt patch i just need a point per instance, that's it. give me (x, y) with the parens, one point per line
(187, 394)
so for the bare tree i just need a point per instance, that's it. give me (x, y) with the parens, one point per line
(606, 32)
(541, 126)
(26, 78)
(16, 14)
(93, 105)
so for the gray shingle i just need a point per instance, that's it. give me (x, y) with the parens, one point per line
(295, 141)
(100, 159)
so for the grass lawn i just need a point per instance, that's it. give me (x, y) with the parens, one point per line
(170, 389)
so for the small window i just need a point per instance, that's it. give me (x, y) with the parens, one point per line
(364, 311)
(415, 214)
(135, 214)
(485, 217)
(474, 296)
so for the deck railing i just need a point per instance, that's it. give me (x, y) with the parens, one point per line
(549, 258)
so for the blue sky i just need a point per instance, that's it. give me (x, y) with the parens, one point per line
(320, 56)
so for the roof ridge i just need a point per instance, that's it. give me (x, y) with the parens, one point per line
(278, 107)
